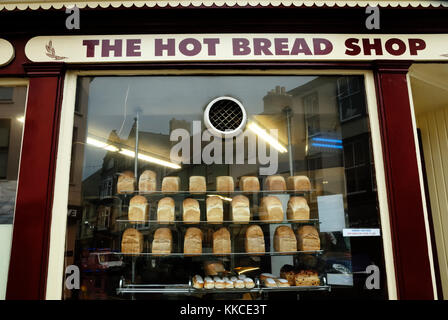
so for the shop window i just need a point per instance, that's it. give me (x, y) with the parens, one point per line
(6, 94)
(312, 118)
(350, 98)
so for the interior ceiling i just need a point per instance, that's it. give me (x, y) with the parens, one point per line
(429, 83)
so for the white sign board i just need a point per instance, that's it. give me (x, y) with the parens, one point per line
(358, 232)
(6, 52)
(331, 213)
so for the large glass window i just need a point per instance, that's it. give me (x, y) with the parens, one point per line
(222, 178)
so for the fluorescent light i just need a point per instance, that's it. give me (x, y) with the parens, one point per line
(150, 159)
(327, 140)
(266, 137)
(21, 119)
(326, 145)
(100, 144)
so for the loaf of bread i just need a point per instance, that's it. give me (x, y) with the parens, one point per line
(298, 209)
(125, 183)
(191, 211)
(138, 209)
(193, 242)
(198, 282)
(165, 210)
(308, 238)
(162, 242)
(170, 184)
(215, 211)
(299, 183)
(197, 184)
(288, 273)
(147, 181)
(275, 183)
(221, 242)
(213, 268)
(255, 240)
(307, 278)
(284, 240)
(240, 209)
(132, 241)
(271, 209)
(224, 184)
(249, 184)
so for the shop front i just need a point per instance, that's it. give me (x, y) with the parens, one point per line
(166, 155)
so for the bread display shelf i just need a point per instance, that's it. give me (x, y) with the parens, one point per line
(210, 193)
(217, 255)
(227, 222)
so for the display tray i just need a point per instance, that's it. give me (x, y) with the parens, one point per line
(217, 255)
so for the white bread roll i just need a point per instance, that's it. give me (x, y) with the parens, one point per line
(209, 283)
(239, 284)
(308, 238)
(299, 183)
(282, 282)
(275, 183)
(138, 209)
(193, 242)
(221, 242)
(125, 183)
(249, 184)
(132, 241)
(264, 276)
(255, 240)
(269, 282)
(170, 184)
(285, 240)
(165, 210)
(198, 184)
(162, 242)
(219, 283)
(215, 211)
(249, 283)
(198, 282)
(240, 209)
(225, 184)
(271, 209)
(191, 211)
(229, 284)
(147, 181)
(298, 209)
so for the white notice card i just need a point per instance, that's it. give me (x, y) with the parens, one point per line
(331, 213)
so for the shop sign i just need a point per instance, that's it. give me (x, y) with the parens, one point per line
(236, 47)
(6, 52)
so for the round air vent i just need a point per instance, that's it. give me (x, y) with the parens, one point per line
(225, 117)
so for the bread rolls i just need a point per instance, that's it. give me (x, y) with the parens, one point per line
(198, 282)
(147, 181)
(271, 209)
(132, 241)
(165, 210)
(125, 183)
(299, 183)
(308, 238)
(307, 278)
(209, 283)
(191, 211)
(249, 184)
(162, 242)
(170, 184)
(255, 240)
(249, 283)
(240, 209)
(285, 240)
(282, 282)
(193, 242)
(215, 211)
(197, 184)
(298, 209)
(138, 209)
(224, 184)
(239, 284)
(270, 283)
(221, 242)
(275, 183)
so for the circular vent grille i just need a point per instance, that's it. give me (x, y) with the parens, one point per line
(225, 117)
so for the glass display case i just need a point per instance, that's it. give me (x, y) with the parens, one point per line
(222, 186)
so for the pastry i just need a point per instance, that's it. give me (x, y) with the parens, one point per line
(191, 211)
(147, 181)
(209, 283)
(198, 282)
(255, 240)
(240, 209)
(275, 183)
(197, 184)
(249, 184)
(308, 238)
(285, 240)
(299, 183)
(170, 184)
(165, 210)
(239, 284)
(224, 184)
(307, 278)
(125, 183)
(271, 209)
(132, 241)
(298, 209)
(215, 211)
(219, 283)
(270, 282)
(221, 242)
(162, 242)
(138, 209)
(249, 283)
(282, 282)
(228, 283)
(193, 242)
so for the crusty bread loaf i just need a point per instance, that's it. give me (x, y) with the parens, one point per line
(147, 181)
(271, 209)
(170, 184)
(125, 183)
(132, 241)
(221, 242)
(249, 184)
(308, 238)
(213, 268)
(215, 211)
(275, 183)
(285, 240)
(307, 278)
(240, 209)
(288, 272)
(298, 209)
(299, 183)
(193, 242)
(254, 240)
(225, 184)
(138, 209)
(197, 184)
(165, 210)
(162, 242)
(191, 211)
